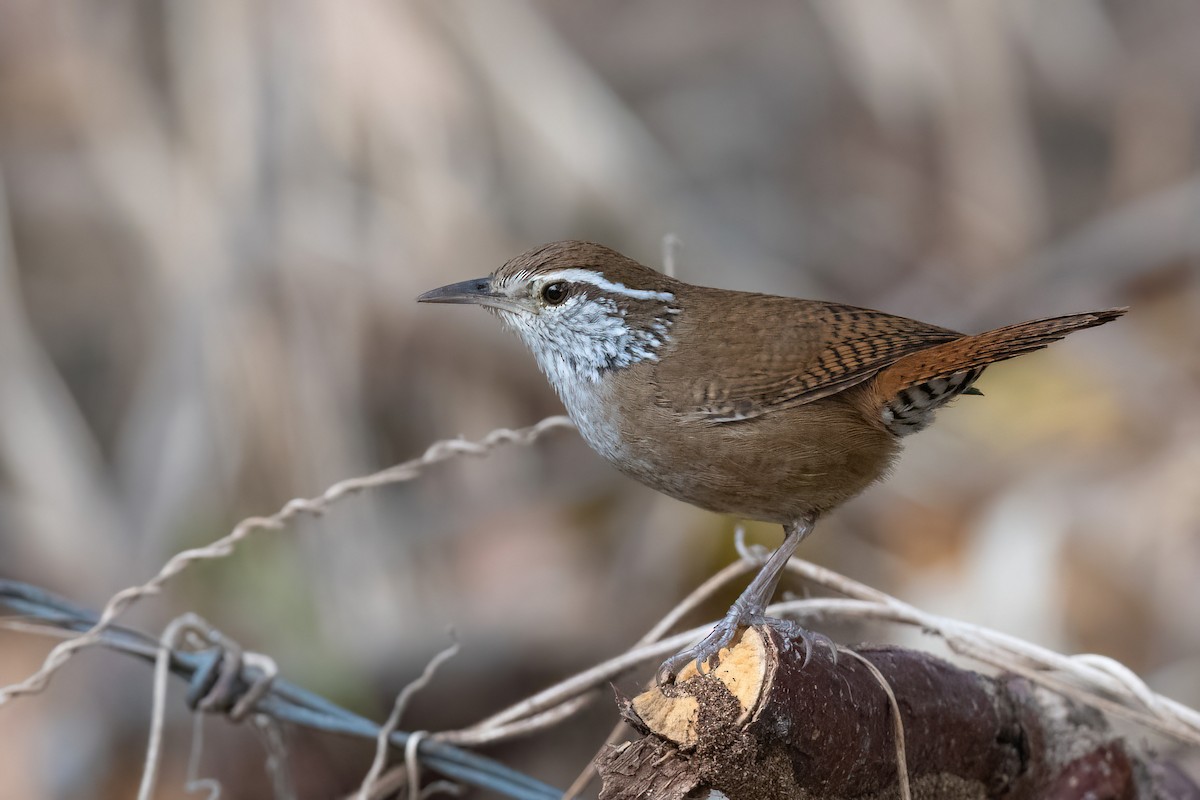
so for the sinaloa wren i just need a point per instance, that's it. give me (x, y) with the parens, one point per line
(769, 408)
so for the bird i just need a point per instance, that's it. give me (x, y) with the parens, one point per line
(764, 407)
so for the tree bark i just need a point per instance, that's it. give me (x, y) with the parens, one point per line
(764, 725)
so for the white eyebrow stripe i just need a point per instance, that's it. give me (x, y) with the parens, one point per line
(600, 282)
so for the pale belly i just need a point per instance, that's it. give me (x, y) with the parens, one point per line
(778, 467)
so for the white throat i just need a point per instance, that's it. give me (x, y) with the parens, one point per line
(586, 337)
(605, 327)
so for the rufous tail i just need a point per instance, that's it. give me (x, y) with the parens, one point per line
(971, 352)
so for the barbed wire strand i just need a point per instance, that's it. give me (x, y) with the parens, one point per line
(283, 701)
(224, 547)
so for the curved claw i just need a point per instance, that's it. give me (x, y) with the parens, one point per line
(792, 631)
(703, 653)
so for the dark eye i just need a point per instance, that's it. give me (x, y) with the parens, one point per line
(554, 293)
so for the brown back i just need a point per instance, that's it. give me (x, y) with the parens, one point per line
(737, 355)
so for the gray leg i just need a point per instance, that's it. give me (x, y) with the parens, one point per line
(750, 609)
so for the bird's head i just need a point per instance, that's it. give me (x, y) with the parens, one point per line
(581, 308)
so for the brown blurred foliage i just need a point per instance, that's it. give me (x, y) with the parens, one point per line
(216, 215)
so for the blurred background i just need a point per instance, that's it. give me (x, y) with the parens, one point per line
(214, 217)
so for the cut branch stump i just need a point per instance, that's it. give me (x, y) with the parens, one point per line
(763, 724)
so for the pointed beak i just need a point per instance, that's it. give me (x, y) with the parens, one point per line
(477, 291)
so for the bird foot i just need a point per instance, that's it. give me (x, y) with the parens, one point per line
(792, 632)
(704, 653)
